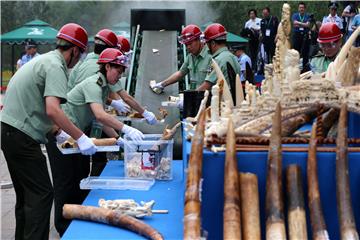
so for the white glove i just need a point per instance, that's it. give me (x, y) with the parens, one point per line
(150, 117)
(120, 105)
(86, 145)
(120, 142)
(180, 103)
(157, 88)
(62, 137)
(133, 133)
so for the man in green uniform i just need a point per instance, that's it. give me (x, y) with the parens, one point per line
(215, 37)
(31, 107)
(107, 39)
(86, 103)
(329, 40)
(196, 63)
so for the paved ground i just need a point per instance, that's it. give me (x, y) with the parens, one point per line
(7, 207)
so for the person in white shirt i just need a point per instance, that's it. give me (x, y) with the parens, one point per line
(333, 17)
(349, 14)
(252, 32)
(254, 21)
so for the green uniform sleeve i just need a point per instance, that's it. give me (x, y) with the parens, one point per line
(211, 77)
(92, 93)
(185, 66)
(55, 82)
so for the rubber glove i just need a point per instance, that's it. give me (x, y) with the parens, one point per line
(132, 133)
(62, 137)
(120, 106)
(150, 117)
(86, 145)
(180, 103)
(120, 142)
(158, 88)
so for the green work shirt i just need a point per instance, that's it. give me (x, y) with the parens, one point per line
(320, 63)
(94, 89)
(24, 101)
(85, 69)
(223, 56)
(198, 67)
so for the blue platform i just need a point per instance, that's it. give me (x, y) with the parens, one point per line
(168, 195)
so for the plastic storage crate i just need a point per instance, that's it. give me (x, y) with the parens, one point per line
(150, 158)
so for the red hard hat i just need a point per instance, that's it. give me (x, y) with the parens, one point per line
(74, 34)
(114, 56)
(329, 32)
(108, 37)
(189, 33)
(123, 43)
(215, 31)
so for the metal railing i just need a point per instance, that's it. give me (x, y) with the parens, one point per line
(129, 79)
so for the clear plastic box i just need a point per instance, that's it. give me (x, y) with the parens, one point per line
(116, 183)
(150, 158)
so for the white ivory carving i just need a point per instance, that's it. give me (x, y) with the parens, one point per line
(226, 95)
(296, 92)
(226, 109)
(215, 104)
(128, 207)
(349, 69)
(292, 71)
(335, 66)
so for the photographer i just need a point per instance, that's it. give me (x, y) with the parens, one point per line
(300, 40)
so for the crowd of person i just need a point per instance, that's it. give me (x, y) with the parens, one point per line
(305, 30)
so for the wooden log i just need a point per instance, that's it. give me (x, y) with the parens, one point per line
(296, 208)
(192, 223)
(343, 195)
(89, 213)
(274, 206)
(226, 94)
(232, 225)
(250, 214)
(317, 221)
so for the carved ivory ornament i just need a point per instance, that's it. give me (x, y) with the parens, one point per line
(284, 83)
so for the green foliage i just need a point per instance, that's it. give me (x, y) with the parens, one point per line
(92, 15)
